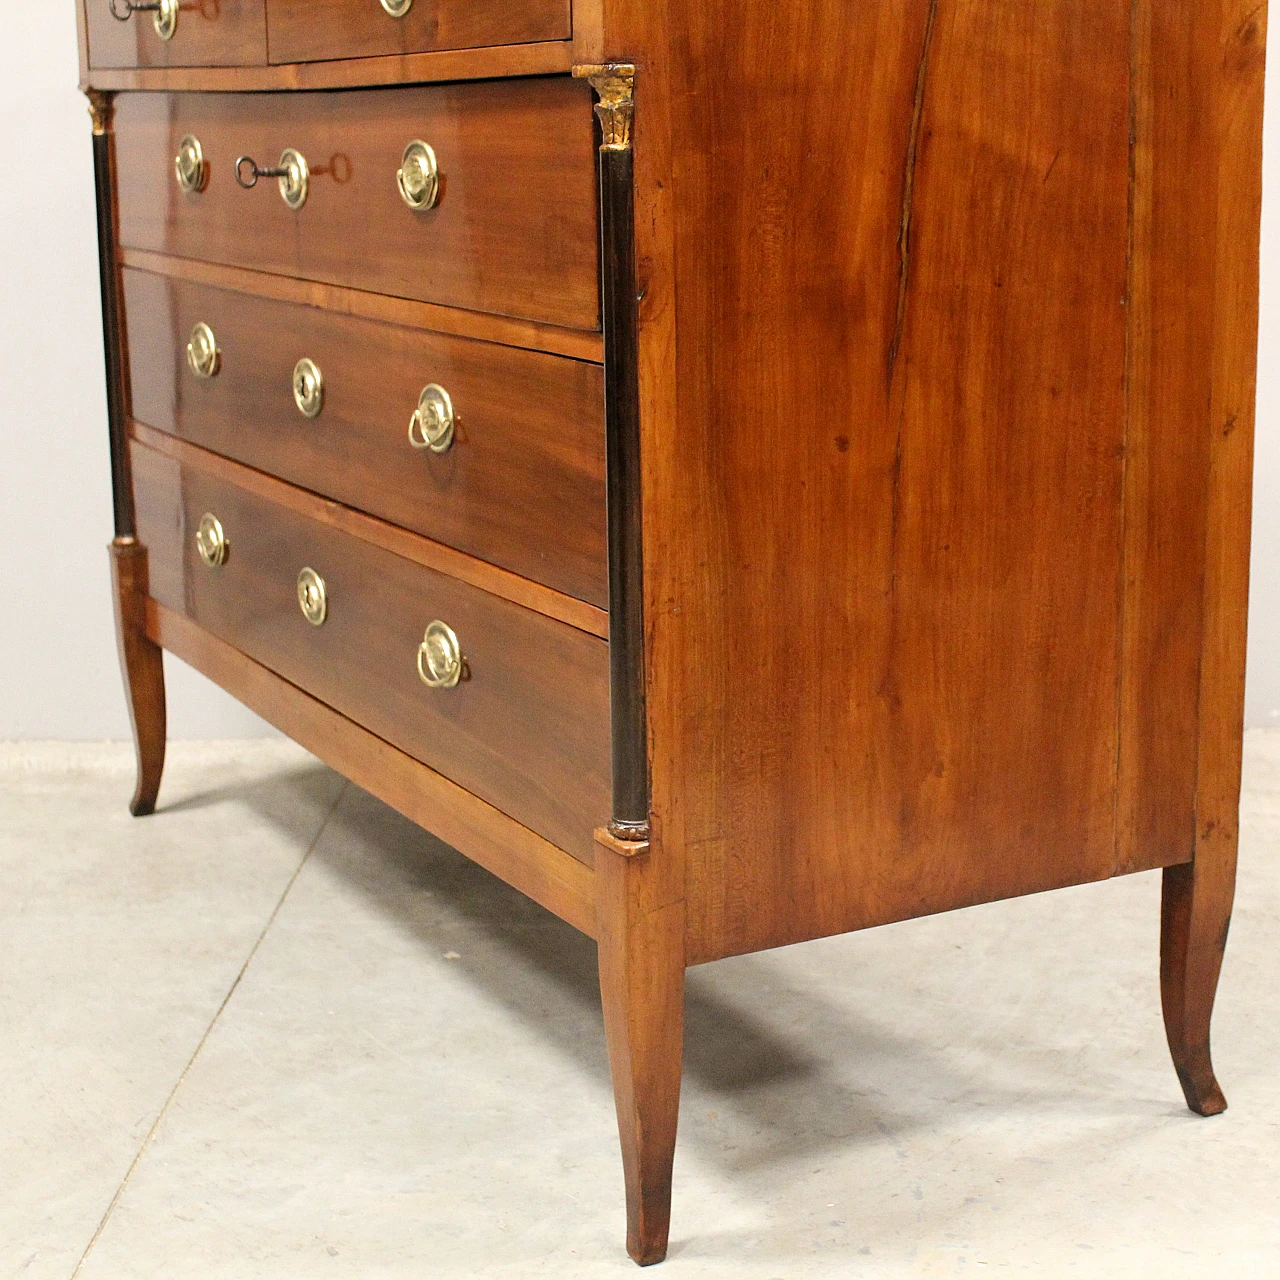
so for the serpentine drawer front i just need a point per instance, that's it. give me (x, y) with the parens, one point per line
(480, 446)
(507, 218)
(526, 727)
(742, 471)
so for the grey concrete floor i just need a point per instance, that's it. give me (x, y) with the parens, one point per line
(277, 1031)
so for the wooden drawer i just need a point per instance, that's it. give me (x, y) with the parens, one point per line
(521, 486)
(308, 30)
(513, 232)
(208, 33)
(528, 731)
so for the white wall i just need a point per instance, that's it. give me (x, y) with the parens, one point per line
(58, 676)
(58, 673)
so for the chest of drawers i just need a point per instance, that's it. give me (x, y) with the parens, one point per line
(742, 471)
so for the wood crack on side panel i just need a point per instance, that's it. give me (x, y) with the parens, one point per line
(908, 189)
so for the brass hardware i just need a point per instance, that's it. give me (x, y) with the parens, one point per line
(308, 388)
(189, 165)
(397, 8)
(164, 14)
(440, 660)
(292, 171)
(312, 599)
(100, 107)
(418, 176)
(211, 542)
(431, 426)
(202, 352)
(615, 83)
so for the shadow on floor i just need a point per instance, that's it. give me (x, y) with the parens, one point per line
(818, 1087)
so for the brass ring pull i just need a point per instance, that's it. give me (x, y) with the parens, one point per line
(164, 19)
(308, 388)
(312, 598)
(202, 352)
(431, 426)
(440, 660)
(189, 166)
(397, 8)
(292, 171)
(418, 176)
(211, 542)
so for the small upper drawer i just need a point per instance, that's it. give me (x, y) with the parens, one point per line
(504, 181)
(311, 30)
(203, 33)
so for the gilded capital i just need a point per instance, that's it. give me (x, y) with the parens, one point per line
(615, 84)
(99, 110)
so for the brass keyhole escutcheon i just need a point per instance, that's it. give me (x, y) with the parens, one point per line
(202, 352)
(292, 174)
(418, 176)
(165, 19)
(440, 660)
(312, 598)
(431, 426)
(397, 8)
(308, 388)
(295, 181)
(189, 166)
(211, 542)
(164, 14)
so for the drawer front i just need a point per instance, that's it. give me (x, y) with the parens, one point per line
(513, 230)
(521, 483)
(212, 33)
(527, 730)
(310, 30)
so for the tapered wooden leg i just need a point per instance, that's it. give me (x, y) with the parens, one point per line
(641, 943)
(142, 665)
(1195, 916)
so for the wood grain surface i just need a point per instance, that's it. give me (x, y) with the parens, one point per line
(577, 344)
(547, 57)
(210, 33)
(528, 731)
(1169, 381)
(928, 492)
(522, 485)
(310, 30)
(883, 515)
(513, 233)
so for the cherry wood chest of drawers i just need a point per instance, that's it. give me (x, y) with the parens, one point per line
(742, 471)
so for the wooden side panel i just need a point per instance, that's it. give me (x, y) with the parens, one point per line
(1241, 43)
(310, 30)
(210, 33)
(884, 522)
(527, 730)
(1167, 457)
(513, 232)
(528, 439)
(1198, 116)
